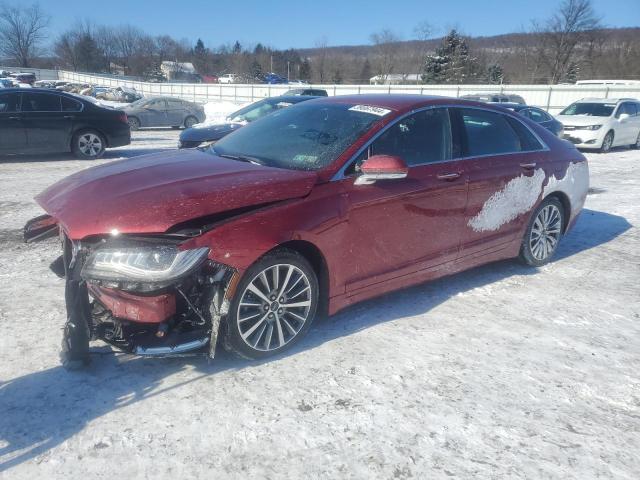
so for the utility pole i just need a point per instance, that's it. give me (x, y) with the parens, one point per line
(271, 69)
(287, 70)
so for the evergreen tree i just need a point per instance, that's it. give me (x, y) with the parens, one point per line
(572, 73)
(200, 57)
(237, 48)
(365, 73)
(336, 78)
(451, 62)
(305, 70)
(495, 74)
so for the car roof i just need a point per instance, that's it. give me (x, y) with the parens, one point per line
(293, 98)
(606, 100)
(400, 102)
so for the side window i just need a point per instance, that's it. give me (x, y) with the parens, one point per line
(174, 105)
(633, 109)
(9, 103)
(38, 102)
(69, 105)
(488, 133)
(528, 141)
(424, 137)
(156, 105)
(625, 107)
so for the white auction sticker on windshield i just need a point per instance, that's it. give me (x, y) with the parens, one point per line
(379, 111)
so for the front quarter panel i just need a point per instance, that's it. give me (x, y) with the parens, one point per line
(317, 219)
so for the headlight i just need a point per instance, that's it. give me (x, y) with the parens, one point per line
(153, 264)
(589, 127)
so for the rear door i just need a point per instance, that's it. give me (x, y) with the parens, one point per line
(48, 127)
(505, 165)
(13, 137)
(397, 227)
(626, 129)
(176, 113)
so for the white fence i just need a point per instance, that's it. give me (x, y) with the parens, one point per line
(550, 97)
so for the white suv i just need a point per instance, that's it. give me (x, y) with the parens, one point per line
(228, 78)
(602, 123)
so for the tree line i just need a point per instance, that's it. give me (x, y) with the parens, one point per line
(570, 44)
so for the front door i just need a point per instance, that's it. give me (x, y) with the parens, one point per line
(506, 171)
(398, 227)
(175, 113)
(48, 127)
(154, 114)
(13, 138)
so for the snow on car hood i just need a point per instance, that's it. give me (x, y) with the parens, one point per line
(151, 193)
(582, 120)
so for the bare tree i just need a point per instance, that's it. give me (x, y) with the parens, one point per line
(386, 49)
(320, 68)
(561, 34)
(22, 29)
(423, 33)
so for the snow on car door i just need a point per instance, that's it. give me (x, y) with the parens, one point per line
(504, 165)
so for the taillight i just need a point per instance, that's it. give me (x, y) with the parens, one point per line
(123, 118)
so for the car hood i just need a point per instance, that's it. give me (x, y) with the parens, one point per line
(152, 193)
(206, 133)
(582, 120)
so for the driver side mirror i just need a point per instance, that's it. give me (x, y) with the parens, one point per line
(382, 167)
(624, 116)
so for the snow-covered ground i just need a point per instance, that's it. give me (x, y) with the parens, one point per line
(499, 372)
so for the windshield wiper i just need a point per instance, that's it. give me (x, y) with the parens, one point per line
(241, 158)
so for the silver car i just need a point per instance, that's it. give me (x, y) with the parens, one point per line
(163, 112)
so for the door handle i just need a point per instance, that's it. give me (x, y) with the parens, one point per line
(528, 166)
(14, 118)
(448, 176)
(69, 116)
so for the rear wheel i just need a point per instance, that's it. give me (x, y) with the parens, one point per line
(190, 122)
(134, 123)
(607, 143)
(274, 305)
(88, 145)
(543, 233)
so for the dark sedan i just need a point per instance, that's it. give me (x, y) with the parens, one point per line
(193, 137)
(45, 121)
(537, 115)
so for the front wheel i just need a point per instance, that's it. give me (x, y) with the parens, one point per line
(637, 144)
(88, 145)
(607, 143)
(543, 233)
(134, 123)
(274, 305)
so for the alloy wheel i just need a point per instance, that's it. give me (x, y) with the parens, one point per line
(607, 142)
(90, 144)
(545, 232)
(274, 307)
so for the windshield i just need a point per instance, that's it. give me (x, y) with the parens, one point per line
(257, 110)
(590, 109)
(308, 136)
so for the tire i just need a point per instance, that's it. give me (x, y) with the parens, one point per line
(607, 142)
(190, 121)
(134, 123)
(259, 324)
(636, 145)
(543, 233)
(88, 145)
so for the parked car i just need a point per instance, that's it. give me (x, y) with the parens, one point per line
(602, 123)
(163, 112)
(309, 210)
(274, 78)
(24, 77)
(206, 133)
(537, 115)
(495, 98)
(119, 94)
(44, 121)
(228, 78)
(315, 92)
(6, 83)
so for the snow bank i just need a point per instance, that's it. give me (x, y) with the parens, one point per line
(217, 111)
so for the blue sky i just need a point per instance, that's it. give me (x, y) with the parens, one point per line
(297, 23)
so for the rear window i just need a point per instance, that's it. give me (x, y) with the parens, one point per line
(489, 133)
(69, 105)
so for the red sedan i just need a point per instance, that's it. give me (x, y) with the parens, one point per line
(302, 213)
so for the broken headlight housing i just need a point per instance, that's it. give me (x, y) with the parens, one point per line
(138, 267)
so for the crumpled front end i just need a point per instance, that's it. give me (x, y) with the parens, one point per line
(143, 295)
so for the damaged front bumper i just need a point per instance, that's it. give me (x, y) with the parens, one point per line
(108, 299)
